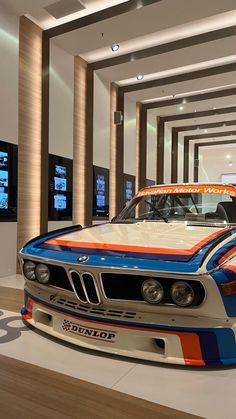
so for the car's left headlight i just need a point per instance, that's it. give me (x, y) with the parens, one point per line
(182, 294)
(42, 273)
(152, 291)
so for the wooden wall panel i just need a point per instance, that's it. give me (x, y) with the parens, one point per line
(30, 98)
(116, 187)
(83, 143)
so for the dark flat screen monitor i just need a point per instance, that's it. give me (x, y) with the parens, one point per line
(129, 187)
(60, 188)
(8, 181)
(150, 182)
(100, 192)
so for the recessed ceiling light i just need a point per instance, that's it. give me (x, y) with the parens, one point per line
(115, 47)
(230, 163)
(184, 101)
(181, 108)
(140, 77)
(228, 156)
(205, 130)
(195, 110)
(214, 108)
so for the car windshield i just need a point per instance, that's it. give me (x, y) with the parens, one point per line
(194, 205)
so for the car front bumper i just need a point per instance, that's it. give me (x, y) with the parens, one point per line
(208, 342)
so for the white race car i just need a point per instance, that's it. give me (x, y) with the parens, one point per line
(157, 283)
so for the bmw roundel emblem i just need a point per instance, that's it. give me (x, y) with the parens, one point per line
(82, 259)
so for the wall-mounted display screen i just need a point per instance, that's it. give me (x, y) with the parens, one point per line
(129, 187)
(100, 192)
(150, 182)
(8, 181)
(60, 188)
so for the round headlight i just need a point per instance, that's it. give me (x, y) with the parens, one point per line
(29, 270)
(182, 294)
(42, 273)
(152, 291)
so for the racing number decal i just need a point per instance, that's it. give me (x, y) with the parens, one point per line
(12, 332)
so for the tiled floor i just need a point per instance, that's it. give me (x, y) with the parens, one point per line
(209, 393)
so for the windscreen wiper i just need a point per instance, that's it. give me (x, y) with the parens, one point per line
(157, 212)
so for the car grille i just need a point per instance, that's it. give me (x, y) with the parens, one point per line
(85, 287)
(92, 288)
(95, 310)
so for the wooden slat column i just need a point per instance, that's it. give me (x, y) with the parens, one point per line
(30, 101)
(116, 184)
(141, 146)
(160, 150)
(83, 143)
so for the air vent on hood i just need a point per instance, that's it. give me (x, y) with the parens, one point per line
(63, 8)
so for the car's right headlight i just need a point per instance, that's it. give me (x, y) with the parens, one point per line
(152, 291)
(29, 270)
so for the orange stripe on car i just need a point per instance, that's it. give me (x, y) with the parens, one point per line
(134, 249)
(227, 255)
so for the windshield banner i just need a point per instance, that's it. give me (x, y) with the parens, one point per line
(192, 189)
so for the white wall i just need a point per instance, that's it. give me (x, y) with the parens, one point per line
(9, 46)
(129, 136)
(167, 152)
(61, 110)
(61, 102)
(101, 121)
(151, 146)
(130, 140)
(214, 161)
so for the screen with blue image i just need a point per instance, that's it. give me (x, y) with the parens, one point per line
(8, 181)
(129, 187)
(101, 192)
(60, 188)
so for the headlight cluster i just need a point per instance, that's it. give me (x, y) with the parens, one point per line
(38, 271)
(180, 293)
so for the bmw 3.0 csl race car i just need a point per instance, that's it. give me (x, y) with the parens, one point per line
(157, 283)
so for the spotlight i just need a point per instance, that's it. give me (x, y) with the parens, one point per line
(181, 108)
(115, 47)
(184, 101)
(228, 156)
(140, 77)
(205, 130)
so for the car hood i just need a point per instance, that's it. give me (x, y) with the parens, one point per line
(143, 245)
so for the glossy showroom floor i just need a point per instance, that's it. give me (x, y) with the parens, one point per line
(72, 372)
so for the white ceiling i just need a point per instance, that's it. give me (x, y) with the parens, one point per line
(36, 12)
(152, 25)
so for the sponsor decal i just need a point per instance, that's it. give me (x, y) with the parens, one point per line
(207, 189)
(88, 332)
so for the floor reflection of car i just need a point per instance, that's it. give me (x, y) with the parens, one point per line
(156, 283)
